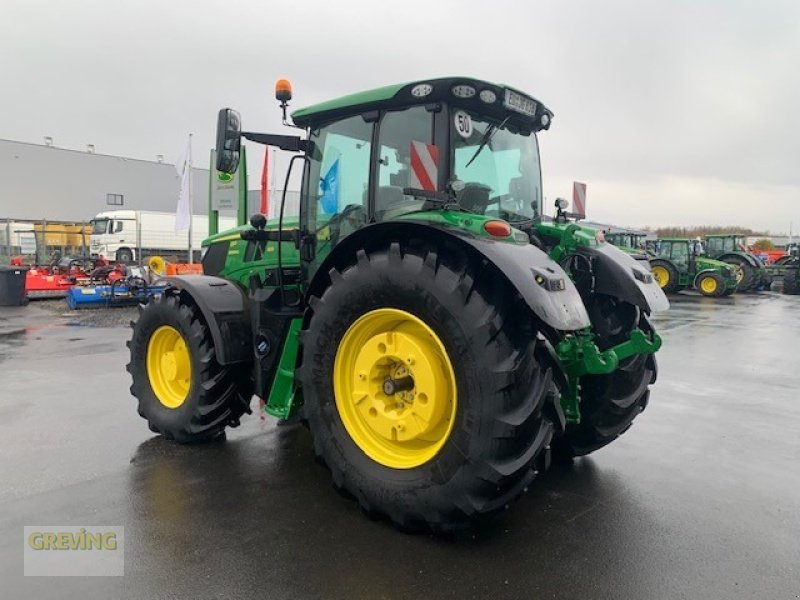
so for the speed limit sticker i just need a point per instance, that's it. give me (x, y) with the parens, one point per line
(463, 123)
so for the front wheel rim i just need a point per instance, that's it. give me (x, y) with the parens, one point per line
(395, 388)
(661, 275)
(708, 285)
(169, 366)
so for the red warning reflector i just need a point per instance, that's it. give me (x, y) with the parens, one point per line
(497, 228)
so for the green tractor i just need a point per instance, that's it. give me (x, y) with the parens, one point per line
(627, 241)
(732, 249)
(438, 335)
(680, 264)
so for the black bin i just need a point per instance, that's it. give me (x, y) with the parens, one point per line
(12, 285)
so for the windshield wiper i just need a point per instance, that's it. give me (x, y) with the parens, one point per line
(487, 136)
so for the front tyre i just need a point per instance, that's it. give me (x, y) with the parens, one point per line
(711, 285)
(183, 392)
(610, 403)
(427, 389)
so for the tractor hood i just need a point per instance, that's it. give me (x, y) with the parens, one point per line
(703, 262)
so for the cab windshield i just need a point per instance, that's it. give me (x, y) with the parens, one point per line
(503, 179)
(99, 226)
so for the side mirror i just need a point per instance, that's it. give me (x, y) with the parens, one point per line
(229, 140)
(561, 204)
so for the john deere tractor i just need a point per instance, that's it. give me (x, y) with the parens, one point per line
(680, 264)
(438, 335)
(732, 249)
(626, 240)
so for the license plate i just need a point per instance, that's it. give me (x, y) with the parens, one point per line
(520, 103)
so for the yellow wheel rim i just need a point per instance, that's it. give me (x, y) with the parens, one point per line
(661, 275)
(169, 366)
(395, 388)
(708, 285)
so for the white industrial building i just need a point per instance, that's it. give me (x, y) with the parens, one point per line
(40, 181)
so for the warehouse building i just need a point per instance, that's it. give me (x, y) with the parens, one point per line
(41, 181)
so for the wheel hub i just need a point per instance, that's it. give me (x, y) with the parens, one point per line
(394, 388)
(168, 366)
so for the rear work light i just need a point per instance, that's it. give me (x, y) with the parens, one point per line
(497, 228)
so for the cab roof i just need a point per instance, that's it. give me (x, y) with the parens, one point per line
(425, 91)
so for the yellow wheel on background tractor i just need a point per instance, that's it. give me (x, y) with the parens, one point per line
(661, 275)
(395, 388)
(710, 284)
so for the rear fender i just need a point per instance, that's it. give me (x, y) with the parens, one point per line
(555, 300)
(224, 307)
(751, 260)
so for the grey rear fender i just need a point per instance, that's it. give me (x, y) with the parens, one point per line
(224, 307)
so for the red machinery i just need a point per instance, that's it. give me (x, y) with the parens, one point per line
(61, 274)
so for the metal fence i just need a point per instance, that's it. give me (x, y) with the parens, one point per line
(37, 241)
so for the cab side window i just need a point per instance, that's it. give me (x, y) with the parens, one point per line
(407, 159)
(338, 183)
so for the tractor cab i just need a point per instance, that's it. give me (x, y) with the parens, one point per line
(453, 146)
(720, 244)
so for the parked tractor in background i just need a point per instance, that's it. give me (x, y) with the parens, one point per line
(791, 270)
(681, 263)
(732, 249)
(435, 331)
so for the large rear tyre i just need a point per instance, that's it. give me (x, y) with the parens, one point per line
(745, 275)
(666, 275)
(183, 392)
(427, 389)
(791, 281)
(610, 403)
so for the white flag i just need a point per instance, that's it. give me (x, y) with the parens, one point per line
(183, 213)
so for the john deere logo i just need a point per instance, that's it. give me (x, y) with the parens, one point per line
(224, 177)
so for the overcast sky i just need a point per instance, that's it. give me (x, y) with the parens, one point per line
(672, 112)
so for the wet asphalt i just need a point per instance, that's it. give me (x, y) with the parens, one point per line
(700, 499)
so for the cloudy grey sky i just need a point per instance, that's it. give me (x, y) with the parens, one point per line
(671, 112)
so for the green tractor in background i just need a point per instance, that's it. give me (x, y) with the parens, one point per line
(732, 249)
(436, 332)
(680, 263)
(629, 241)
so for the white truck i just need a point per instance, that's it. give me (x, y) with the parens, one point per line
(121, 235)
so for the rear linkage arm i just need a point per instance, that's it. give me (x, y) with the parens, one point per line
(580, 356)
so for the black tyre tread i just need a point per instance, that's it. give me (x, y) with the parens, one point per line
(516, 431)
(609, 404)
(791, 281)
(749, 282)
(222, 393)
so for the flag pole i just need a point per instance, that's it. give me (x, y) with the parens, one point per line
(191, 201)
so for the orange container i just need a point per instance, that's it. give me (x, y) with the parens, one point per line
(184, 269)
